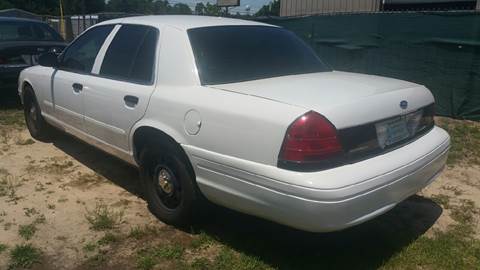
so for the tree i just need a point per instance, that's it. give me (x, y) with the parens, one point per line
(161, 7)
(181, 8)
(272, 9)
(131, 6)
(72, 7)
(212, 10)
(200, 8)
(5, 4)
(50, 7)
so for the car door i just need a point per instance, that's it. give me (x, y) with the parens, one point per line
(119, 95)
(73, 75)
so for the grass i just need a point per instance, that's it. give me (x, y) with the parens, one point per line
(108, 238)
(142, 232)
(89, 247)
(3, 248)
(103, 218)
(27, 231)
(8, 188)
(442, 200)
(148, 258)
(202, 240)
(12, 118)
(21, 141)
(24, 256)
(465, 136)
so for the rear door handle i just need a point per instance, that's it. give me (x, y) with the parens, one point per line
(130, 101)
(77, 87)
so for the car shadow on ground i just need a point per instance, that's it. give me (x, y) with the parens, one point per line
(366, 246)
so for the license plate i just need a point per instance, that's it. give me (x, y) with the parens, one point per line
(392, 131)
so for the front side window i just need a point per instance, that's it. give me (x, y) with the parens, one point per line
(27, 31)
(80, 56)
(228, 54)
(131, 55)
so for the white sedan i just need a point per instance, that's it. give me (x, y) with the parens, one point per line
(241, 113)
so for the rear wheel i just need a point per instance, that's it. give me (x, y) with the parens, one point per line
(36, 124)
(169, 185)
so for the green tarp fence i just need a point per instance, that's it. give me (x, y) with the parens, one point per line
(440, 50)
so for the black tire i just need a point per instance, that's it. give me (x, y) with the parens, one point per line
(36, 124)
(169, 185)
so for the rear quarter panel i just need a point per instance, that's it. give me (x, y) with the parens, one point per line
(232, 124)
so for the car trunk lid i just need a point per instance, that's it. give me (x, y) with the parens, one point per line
(346, 99)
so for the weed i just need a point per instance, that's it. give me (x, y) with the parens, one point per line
(90, 247)
(24, 256)
(441, 199)
(139, 233)
(30, 211)
(21, 141)
(202, 240)
(8, 187)
(96, 260)
(201, 264)
(27, 231)
(51, 206)
(465, 138)
(12, 118)
(40, 219)
(464, 213)
(108, 238)
(103, 218)
(3, 247)
(146, 261)
(170, 252)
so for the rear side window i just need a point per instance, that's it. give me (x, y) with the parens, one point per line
(80, 56)
(131, 55)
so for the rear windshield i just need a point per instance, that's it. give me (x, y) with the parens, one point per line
(27, 31)
(228, 54)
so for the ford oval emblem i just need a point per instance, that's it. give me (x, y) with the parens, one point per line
(404, 104)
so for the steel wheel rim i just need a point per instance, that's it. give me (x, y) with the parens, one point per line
(167, 187)
(32, 115)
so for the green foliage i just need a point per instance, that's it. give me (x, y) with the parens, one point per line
(3, 247)
(103, 218)
(108, 238)
(208, 9)
(27, 231)
(24, 256)
(272, 9)
(465, 136)
(147, 7)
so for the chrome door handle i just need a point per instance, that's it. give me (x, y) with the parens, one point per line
(77, 87)
(130, 101)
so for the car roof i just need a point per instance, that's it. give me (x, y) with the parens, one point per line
(183, 22)
(16, 19)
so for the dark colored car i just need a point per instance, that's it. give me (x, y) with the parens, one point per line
(21, 43)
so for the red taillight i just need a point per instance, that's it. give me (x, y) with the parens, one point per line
(311, 138)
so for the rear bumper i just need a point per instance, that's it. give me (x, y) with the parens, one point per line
(322, 201)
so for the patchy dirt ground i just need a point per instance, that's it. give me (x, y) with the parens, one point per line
(66, 205)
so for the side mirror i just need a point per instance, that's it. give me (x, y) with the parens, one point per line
(49, 59)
